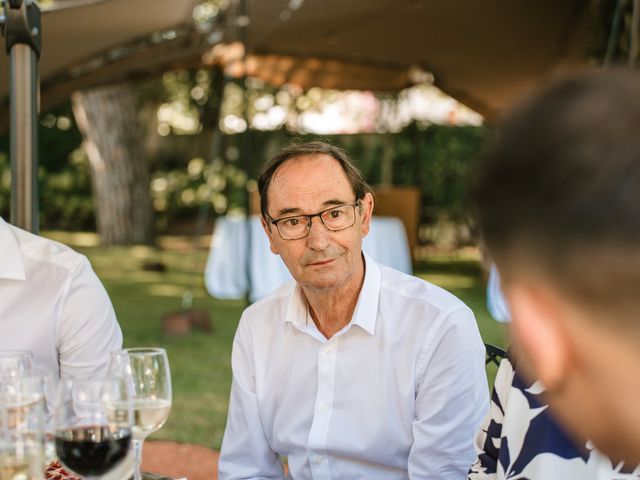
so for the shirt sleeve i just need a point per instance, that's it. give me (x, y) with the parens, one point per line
(87, 330)
(245, 452)
(452, 399)
(489, 437)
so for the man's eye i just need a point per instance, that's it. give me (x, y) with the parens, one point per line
(292, 222)
(336, 213)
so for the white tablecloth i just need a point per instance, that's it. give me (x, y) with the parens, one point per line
(231, 271)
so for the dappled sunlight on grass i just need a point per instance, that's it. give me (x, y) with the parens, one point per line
(75, 239)
(133, 275)
(143, 252)
(167, 290)
(182, 243)
(449, 282)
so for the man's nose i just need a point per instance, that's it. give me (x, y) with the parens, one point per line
(318, 237)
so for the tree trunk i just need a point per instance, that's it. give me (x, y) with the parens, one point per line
(113, 141)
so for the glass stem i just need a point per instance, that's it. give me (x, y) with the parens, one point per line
(137, 451)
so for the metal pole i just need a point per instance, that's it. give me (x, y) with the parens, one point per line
(22, 31)
(634, 49)
(24, 138)
(614, 35)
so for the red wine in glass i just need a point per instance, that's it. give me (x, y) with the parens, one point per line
(92, 451)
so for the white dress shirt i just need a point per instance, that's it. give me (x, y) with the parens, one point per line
(397, 393)
(52, 304)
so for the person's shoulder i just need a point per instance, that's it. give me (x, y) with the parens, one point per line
(44, 250)
(273, 303)
(417, 291)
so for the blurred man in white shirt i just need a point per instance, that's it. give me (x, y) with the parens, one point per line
(353, 370)
(53, 305)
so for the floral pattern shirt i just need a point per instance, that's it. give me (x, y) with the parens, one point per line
(520, 440)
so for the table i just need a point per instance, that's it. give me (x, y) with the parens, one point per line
(240, 260)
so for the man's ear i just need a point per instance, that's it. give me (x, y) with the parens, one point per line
(269, 230)
(366, 207)
(541, 334)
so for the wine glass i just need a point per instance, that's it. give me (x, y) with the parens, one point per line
(150, 380)
(18, 397)
(47, 388)
(15, 362)
(21, 446)
(91, 436)
(21, 428)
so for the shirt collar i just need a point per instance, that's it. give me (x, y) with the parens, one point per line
(297, 308)
(11, 264)
(366, 311)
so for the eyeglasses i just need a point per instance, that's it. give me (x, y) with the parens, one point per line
(334, 219)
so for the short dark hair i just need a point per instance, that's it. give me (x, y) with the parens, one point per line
(557, 190)
(297, 150)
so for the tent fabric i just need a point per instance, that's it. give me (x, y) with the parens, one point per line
(86, 45)
(482, 53)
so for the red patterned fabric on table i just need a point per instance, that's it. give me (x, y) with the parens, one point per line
(56, 472)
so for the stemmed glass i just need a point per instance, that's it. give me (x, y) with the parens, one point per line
(150, 381)
(15, 362)
(44, 383)
(93, 420)
(21, 428)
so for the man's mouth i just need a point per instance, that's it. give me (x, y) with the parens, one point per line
(320, 263)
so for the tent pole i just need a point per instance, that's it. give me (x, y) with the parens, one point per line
(22, 36)
(24, 139)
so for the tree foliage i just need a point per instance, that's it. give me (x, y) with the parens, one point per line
(66, 201)
(436, 159)
(197, 174)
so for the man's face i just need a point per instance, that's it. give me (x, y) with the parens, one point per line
(578, 360)
(324, 259)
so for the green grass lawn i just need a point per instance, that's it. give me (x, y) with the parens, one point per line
(200, 362)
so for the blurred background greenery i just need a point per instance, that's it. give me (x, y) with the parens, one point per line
(196, 176)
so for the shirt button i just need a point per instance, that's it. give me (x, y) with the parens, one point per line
(317, 459)
(323, 407)
(328, 349)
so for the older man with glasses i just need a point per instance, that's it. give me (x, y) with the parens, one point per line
(353, 370)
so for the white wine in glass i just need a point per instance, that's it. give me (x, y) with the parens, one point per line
(150, 383)
(21, 459)
(21, 428)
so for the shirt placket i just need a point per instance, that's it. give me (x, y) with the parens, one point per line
(323, 409)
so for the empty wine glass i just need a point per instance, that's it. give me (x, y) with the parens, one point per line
(91, 436)
(150, 380)
(15, 362)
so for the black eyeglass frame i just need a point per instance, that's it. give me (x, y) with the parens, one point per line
(309, 218)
